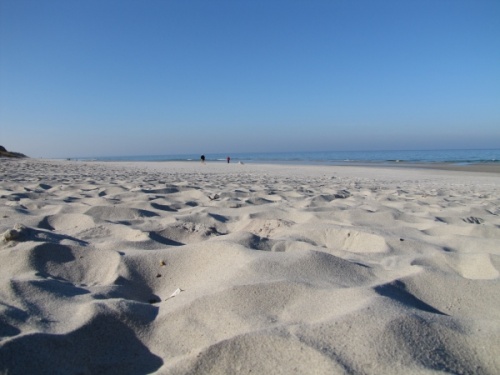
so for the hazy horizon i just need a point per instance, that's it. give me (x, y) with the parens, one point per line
(118, 78)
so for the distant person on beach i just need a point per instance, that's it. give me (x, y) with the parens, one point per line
(202, 158)
(228, 159)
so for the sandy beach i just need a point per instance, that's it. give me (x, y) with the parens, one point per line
(216, 268)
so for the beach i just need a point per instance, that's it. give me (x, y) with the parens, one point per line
(217, 268)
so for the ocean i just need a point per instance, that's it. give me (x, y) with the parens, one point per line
(330, 157)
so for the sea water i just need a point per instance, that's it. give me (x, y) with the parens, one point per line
(330, 157)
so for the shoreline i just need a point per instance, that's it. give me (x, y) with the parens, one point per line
(476, 168)
(492, 167)
(472, 167)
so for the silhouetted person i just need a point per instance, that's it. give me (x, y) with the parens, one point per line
(228, 159)
(203, 158)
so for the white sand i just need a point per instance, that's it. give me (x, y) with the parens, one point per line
(183, 268)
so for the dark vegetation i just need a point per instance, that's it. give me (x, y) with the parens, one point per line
(10, 154)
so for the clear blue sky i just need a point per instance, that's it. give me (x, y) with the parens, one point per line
(148, 77)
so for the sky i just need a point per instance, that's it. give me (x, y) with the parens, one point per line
(160, 77)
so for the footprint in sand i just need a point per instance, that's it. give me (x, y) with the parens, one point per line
(102, 213)
(473, 220)
(66, 222)
(473, 266)
(75, 264)
(346, 239)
